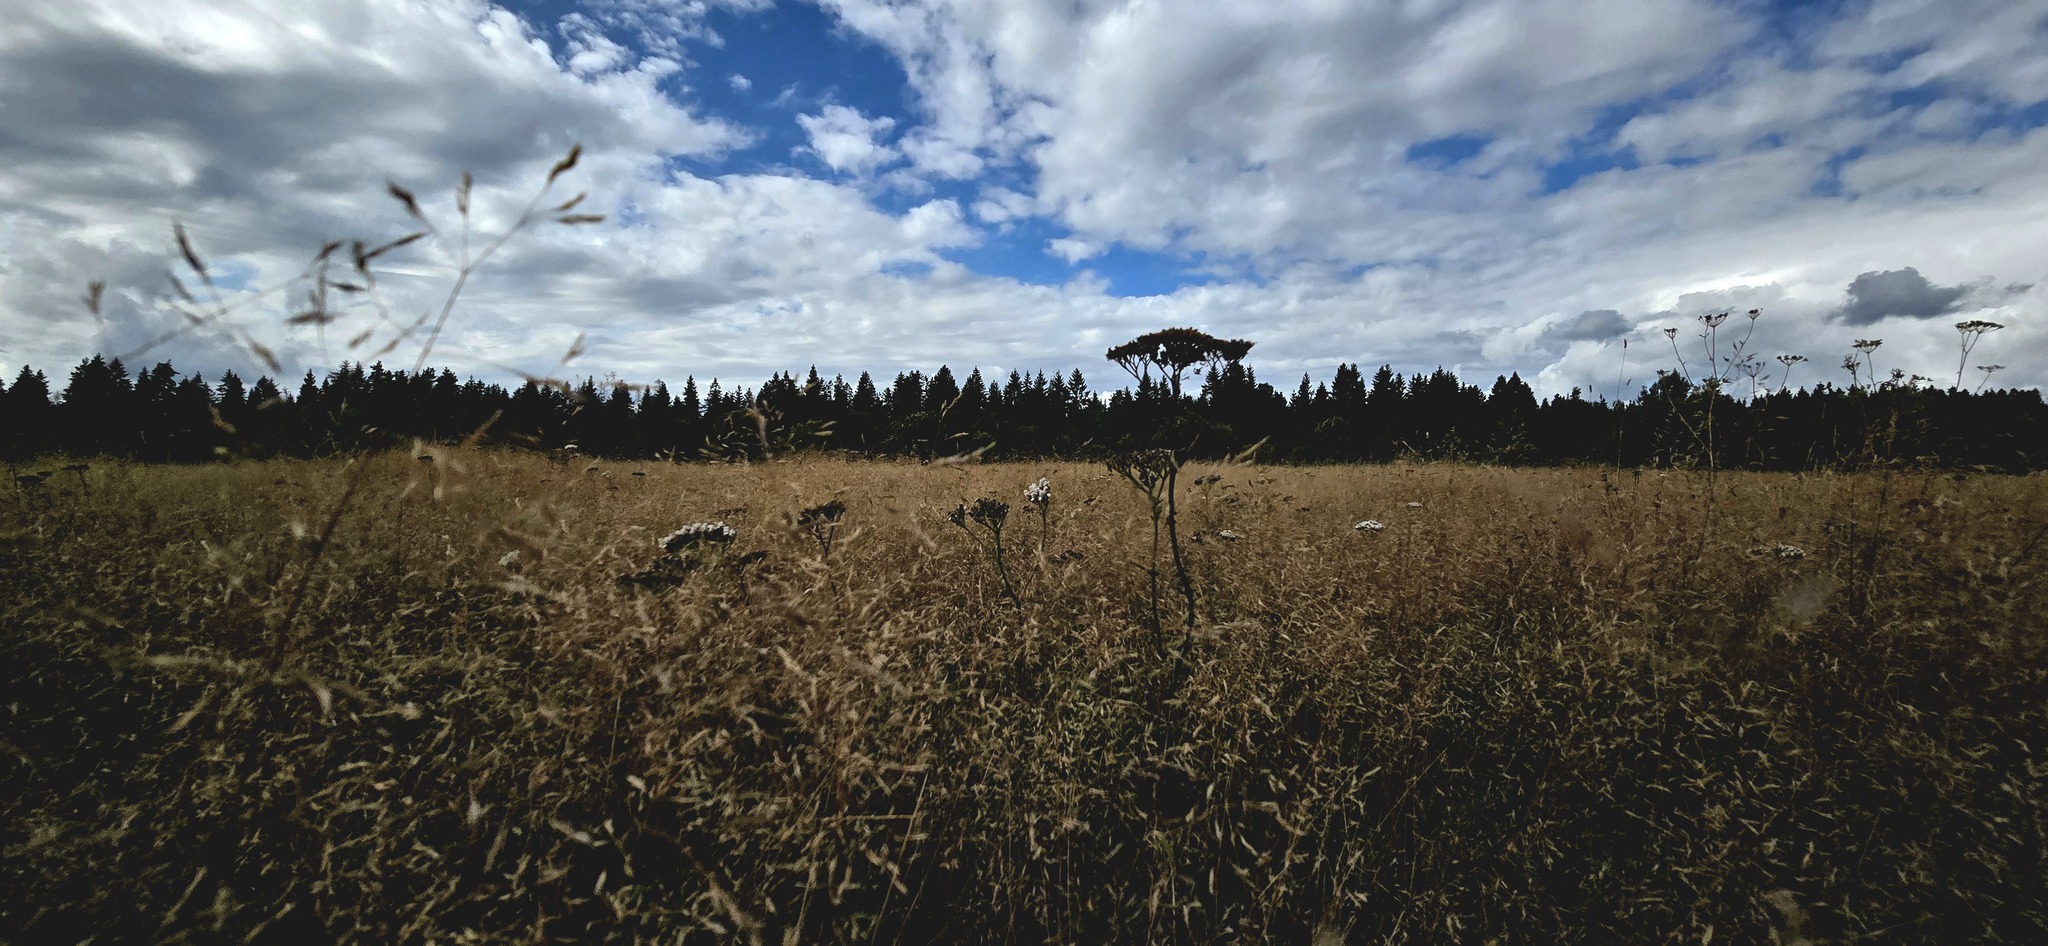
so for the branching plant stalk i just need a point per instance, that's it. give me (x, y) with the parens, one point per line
(1180, 566)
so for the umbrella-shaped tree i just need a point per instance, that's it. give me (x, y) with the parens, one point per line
(1176, 350)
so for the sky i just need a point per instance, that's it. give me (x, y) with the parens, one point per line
(1490, 186)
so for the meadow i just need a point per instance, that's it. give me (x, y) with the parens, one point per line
(465, 696)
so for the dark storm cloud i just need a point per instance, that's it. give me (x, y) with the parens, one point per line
(1592, 325)
(1874, 296)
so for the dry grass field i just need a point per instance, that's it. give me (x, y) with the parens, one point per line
(469, 699)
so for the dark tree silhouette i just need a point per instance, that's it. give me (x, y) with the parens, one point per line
(1176, 350)
(162, 414)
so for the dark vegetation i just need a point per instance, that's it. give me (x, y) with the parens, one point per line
(159, 414)
(481, 698)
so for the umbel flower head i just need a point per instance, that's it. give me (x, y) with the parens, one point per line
(823, 515)
(986, 512)
(1790, 553)
(989, 512)
(1370, 525)
(1039, 493)
(698, 535)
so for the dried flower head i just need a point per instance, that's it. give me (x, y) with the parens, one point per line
(988, 512)
(1867, 345)
(698, 535)
(822, 515)
(1039, 493)
(1146, 469)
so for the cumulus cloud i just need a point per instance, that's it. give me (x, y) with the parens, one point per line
(846, 140)
(1073, 250)
(590, 51)
(1263, 146)
(739, 82)
(1274, 137)
(1000, 205)
(1876, 296)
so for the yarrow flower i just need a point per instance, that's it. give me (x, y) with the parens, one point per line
(1790, 553)
(1227, 535)
(1414, 505)
(1039, 493)
(697, 535)
(1369, 525)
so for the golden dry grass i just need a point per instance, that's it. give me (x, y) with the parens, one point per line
(1543, 706)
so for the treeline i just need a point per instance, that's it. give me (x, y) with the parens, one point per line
(159, 414)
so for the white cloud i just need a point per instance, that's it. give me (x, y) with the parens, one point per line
(268, 129)
(666, 27)
(1275, 134)
(999, 205)
(590, 51)
(846, 140)
(1073, 250)
(1267, 139)
(739, 82)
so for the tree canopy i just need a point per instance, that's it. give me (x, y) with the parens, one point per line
(1175, 350)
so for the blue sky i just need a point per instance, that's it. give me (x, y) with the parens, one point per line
(1486, 185)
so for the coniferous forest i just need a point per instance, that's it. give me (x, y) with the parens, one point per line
(103, 408)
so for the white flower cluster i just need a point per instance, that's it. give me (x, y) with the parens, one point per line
(1790, 553)
(1369, 525)
(1227, 535)
(1414, 505)
(699, 534)
(1039, 493)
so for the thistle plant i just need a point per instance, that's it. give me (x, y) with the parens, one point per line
(989, 514)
